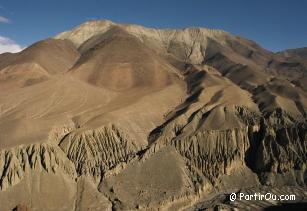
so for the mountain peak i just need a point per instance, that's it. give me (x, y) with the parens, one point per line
(112, 116)
(85, 31)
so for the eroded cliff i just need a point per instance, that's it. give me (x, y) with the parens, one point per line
(150, 119)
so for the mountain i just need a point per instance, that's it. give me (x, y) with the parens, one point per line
(37, 63)
(111, 116)
(301, 53)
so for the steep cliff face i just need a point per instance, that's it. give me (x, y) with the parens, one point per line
(41, 177)
(94, 152)
(17, 162)
(281, 151)
(272, 145)
(211, 152)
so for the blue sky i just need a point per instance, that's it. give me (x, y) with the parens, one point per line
(274, 24)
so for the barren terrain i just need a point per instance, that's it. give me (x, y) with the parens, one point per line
(110, 116)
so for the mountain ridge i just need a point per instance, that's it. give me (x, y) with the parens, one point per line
(133, 118)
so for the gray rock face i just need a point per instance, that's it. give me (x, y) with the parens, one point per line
(17, 162)
(95, 152)
(128, 118)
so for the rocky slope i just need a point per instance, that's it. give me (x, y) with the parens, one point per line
(133, 118)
